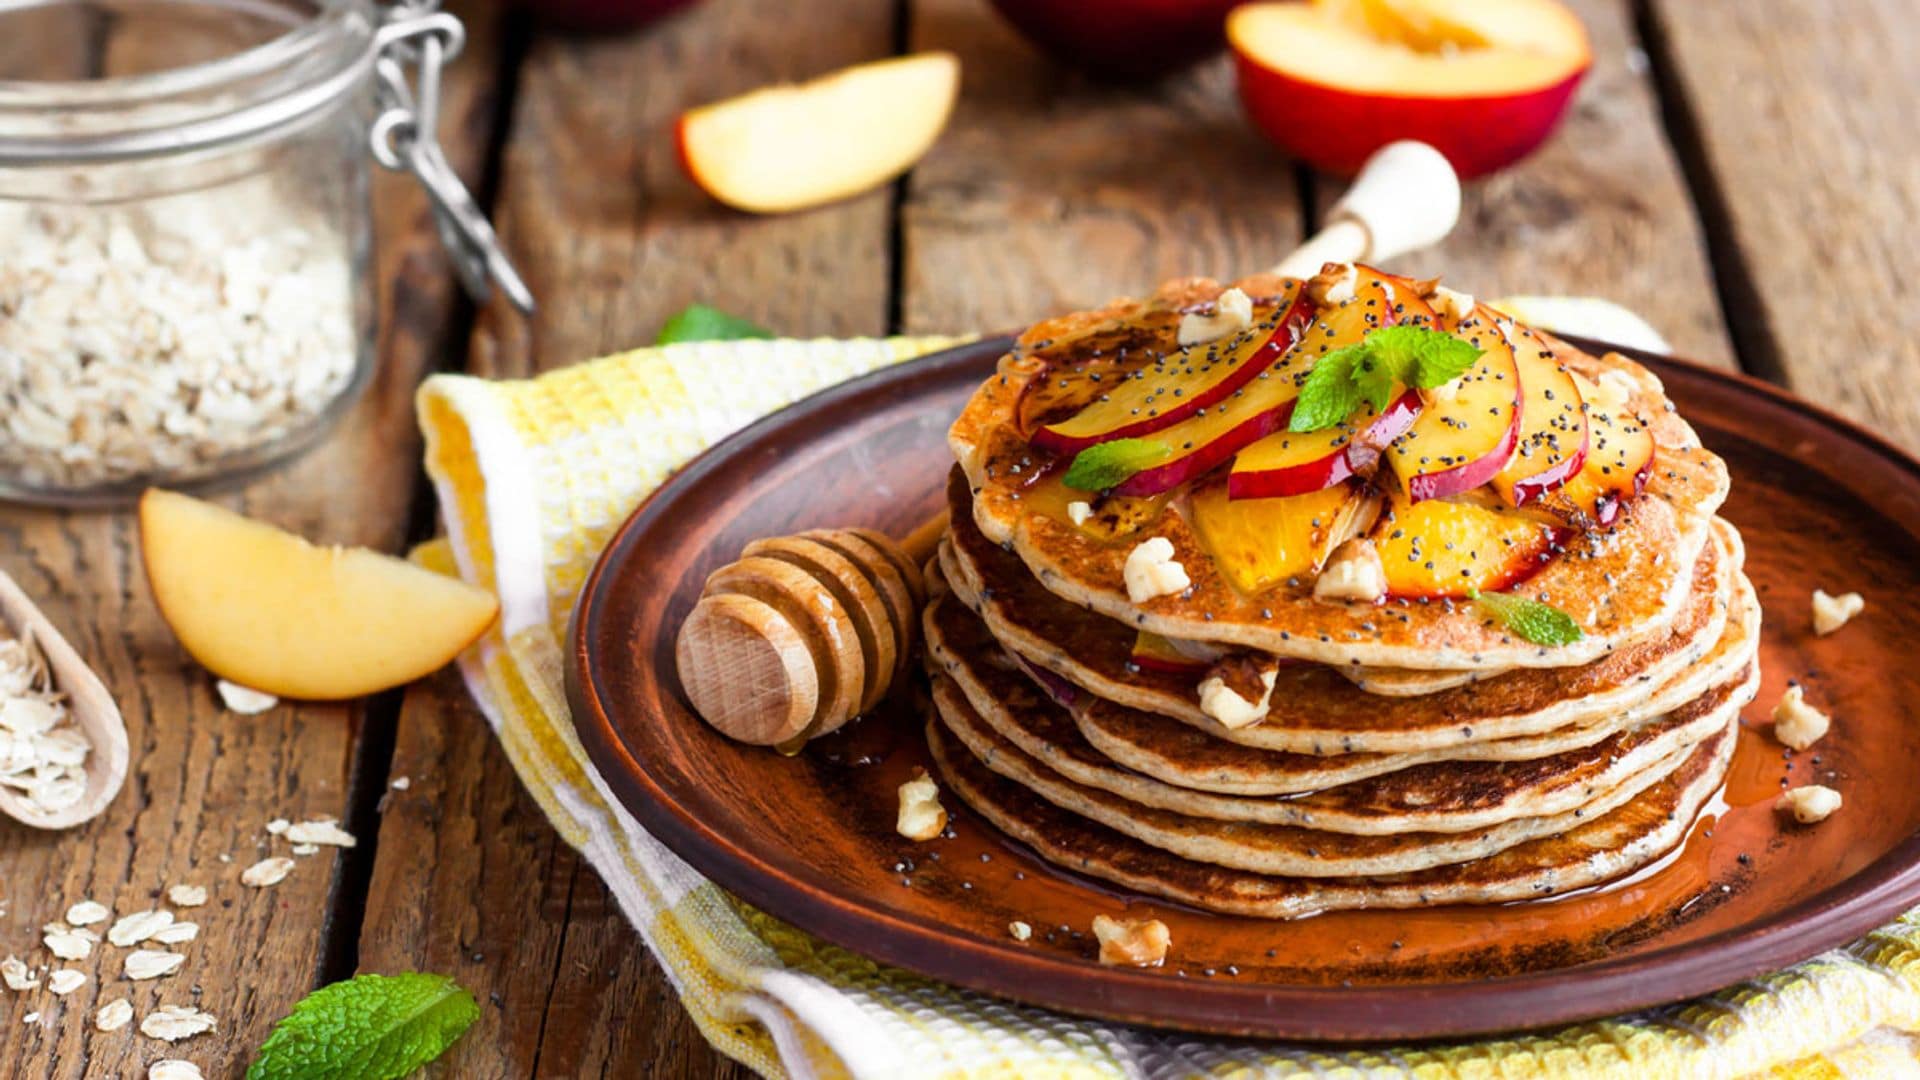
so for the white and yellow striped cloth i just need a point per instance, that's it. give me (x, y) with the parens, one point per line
(534, 476)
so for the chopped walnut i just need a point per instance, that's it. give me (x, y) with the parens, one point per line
(1809, 803)
(1232, 313)
(1830, 613)
(1797, 723)
(921, 815)
(1135, 942)
(1334, 284)
(1238, 689)
(1151, 571)
(1019, 931)
(1079, 511)
(1450, 304)
(1354, 572)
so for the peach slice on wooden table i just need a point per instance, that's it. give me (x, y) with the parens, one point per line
(1178, 384)
(266, 609)
(1552, 444)
(1262, 543)
(1620, 454)
(1483, 81)
(1468, 430)
(790, 147)
(1451, 547)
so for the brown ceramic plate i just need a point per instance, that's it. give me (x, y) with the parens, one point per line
(1822, 504)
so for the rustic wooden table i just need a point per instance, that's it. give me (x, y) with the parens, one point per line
(1743, 174)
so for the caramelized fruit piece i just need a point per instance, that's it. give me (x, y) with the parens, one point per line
(1175, 385)
(1620, 452)
(1447, 547)
(1261, 543)
(1463, 438)
(1294, 463)
(1155, 653)
(1553, 424)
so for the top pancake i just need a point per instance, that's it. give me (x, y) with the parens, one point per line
(1621, 584)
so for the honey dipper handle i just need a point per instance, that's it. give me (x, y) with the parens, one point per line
(1406, 197)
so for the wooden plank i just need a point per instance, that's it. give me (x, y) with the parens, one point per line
(1804, 119)
(205, 781)
(613, 240)
(1051, 192)
(1601, 210)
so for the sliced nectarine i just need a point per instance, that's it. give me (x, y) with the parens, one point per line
(268, 610)
(1175, 385)
(1449, 547)
(1619, 459)
(1553, 423)
(1294, 463)
(1261, 543)
(790, 147)
(1467, 431)
(1157, 653)
(1483, 81)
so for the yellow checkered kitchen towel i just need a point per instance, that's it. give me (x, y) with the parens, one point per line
(534, 476)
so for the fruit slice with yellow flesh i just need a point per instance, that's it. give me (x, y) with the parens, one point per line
(1467, 432)
(1450, 547)
(1157, 653)
(791, 147)
(266, 609)
(1261, 543)
(1553, 423)
(1619, 459)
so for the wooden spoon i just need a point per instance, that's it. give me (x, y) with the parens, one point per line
(92, 709)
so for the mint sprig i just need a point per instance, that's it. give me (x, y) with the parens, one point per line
(1110, 464)
(1530, 620)
(370, 1027)
(1368, 372)
(698, 322)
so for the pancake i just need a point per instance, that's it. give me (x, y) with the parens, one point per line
(1406, 796)
(1621, 584)
(1599, 850)
(1314, 711)
(1258, 848)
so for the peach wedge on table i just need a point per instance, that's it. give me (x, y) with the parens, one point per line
(1468, 430)
(791, 147)
(268, 610)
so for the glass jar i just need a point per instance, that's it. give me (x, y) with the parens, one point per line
(185, 232)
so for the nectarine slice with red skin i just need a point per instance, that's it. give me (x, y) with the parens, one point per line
(1261, 543)
(1462, 441)
(1178, 384)
(1156, 653)
(1620, 458)
(1553, 425)
(1450, 547)
(1483, 81)
(1295, 463)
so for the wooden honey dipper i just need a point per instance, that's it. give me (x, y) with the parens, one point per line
(803, 633)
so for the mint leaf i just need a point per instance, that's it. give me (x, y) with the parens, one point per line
(1375, 378)
(370, 1027)
(1531, 620)
(698, 322)
(1330, 393)
(1423, 357)
(1109, 464)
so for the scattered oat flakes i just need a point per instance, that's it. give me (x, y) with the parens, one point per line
(86, 913)
(178, 934)
(402, 783)
(1809, 803)
(138, 927)
(1134, 942)
(13, 971)
(187, 895)
(278, 826)
(267, 872)
(152, 963)
(921, 816)
(114, 1015)
(42, 753)
(1797, 723)
(176, 1022)
(174, 1069)
(66, 981)
(1830, 613)
(306, 849)
(320, 831)
(244, 700)
(1019, 930)
(68, 943)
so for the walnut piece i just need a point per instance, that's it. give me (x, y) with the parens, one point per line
(1232, 313)
(1354, 572)
(1830, 613)
(921, 815)
(1151, 571)
(1238, 690)
(1809, 803)
(1132, 942)
(1797, 723)
(1334, 284)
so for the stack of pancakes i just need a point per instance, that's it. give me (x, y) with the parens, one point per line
(1413, 750)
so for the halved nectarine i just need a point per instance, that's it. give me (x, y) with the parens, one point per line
(1261, 543)
(1483, 81)
(268, 610)
(1449, 547)
(1466, 433)
(1553, 423)
(791, 147)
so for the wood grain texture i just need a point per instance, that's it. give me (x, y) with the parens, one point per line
(1050, 192)
(613, 240)
(1601, 210)
(204, 781)
(1806, 131)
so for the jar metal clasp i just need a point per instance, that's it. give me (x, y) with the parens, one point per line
(417, 37)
